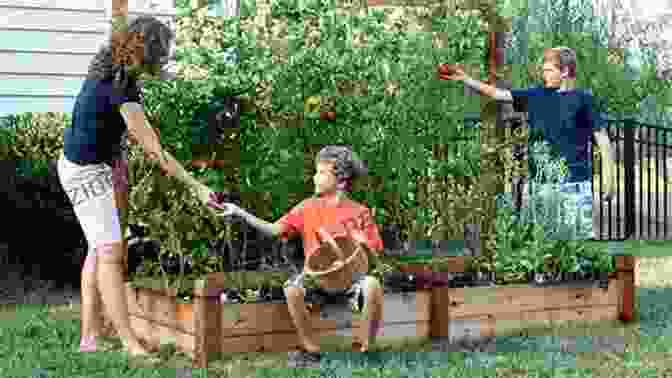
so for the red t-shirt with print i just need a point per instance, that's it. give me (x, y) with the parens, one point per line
(311, 214)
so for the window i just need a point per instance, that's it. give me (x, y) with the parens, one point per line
(223, 8)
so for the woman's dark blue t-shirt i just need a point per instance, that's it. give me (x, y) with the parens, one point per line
(97, 126)
(566, 121)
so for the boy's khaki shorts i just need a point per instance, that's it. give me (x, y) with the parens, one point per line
(578, 209)
(356, 294)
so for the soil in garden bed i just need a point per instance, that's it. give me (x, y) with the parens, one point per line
(396, 282)
(399, 282)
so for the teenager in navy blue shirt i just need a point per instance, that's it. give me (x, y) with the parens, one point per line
(566, 117)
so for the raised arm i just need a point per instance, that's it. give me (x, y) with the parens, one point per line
(489, 90)
(456, 73)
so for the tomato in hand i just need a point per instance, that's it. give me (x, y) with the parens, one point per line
(328, 116)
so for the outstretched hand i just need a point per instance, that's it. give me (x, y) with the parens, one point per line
(228, 210)
(219, 202)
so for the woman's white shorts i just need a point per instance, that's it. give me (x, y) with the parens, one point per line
(90, 189)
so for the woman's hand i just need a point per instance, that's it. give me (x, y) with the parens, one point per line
(203, 193)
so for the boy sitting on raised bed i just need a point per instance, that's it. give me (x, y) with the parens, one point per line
(329, 209)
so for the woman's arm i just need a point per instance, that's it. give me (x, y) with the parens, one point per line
(140, 130)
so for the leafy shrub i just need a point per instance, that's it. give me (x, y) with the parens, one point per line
(32, 140)
(529, 241)
(385, 94)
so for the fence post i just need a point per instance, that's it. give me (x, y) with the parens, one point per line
(629, 162)
(625, 266)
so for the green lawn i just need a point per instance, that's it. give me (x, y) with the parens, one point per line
(648, 248)
(45, 338)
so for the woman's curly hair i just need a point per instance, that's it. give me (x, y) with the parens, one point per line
(347, 165)
(145, 40)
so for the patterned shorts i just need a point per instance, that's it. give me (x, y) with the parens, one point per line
(578, 209)
(356, 294)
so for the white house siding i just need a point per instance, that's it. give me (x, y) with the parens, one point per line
(46, 47)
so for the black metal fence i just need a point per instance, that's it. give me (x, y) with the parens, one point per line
(639, 209)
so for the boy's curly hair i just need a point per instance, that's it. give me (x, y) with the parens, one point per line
(347, 165)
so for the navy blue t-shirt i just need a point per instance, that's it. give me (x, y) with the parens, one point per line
(566, 120)
(97, 126)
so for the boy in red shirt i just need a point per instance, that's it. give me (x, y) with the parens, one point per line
(336, 167)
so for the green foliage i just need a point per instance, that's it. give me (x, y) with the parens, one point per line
(525, 243)
(32, 140)
(388, 104)
(549, 24)
(278, 141)
(367, 122)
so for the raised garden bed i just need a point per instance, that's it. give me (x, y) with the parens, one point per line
(204, 327)
(485, 312)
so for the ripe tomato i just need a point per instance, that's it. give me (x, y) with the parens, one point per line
(219, 164)
(327, 116)
(200, 163)
(447, 69)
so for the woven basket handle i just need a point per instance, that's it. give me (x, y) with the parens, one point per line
(330, 239)
(307, 270)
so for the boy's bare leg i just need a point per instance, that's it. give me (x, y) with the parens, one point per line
(300, 317)
(374, 312)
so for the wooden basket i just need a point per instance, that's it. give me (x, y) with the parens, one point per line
(336, 246)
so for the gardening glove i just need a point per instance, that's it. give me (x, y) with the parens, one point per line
(218, 202)
(227, 210)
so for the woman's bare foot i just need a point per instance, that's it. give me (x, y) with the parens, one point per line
(88, 344)
(360, 347)
(136, 349)
(310, 346)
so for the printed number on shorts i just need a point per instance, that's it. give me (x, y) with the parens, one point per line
(91, 189)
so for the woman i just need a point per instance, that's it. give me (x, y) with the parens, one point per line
(93, 167)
